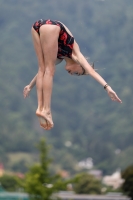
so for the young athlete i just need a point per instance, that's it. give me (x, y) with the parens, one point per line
(54, 42)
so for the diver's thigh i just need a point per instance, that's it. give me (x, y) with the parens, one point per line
(49, 35)
(37, 47)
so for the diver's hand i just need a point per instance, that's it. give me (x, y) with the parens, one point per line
(112, 94)
(26, 91)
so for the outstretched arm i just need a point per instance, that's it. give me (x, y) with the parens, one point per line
(109, 90)
(79, 58)
(28, 88)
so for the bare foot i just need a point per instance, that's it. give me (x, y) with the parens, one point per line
(46, 121)
(43, 122)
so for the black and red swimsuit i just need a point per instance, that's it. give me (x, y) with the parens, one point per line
(65, 41)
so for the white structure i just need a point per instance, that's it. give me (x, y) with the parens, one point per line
(86, 164)
(114, 180)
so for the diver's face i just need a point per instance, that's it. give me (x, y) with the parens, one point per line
(75, 69)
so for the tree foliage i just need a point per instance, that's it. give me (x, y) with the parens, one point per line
(39, 183)
(10, 182)
(127, 186)
(86, 184)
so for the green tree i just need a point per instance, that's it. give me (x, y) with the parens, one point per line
(127, 186)
(39, 184)
(86, 184)
(10, 183)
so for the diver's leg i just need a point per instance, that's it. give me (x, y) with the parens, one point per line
(41, 70)
(49, 42)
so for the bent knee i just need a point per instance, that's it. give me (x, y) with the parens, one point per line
(50, 71)
(41, 69)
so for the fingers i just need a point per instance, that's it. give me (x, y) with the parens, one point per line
(117, 99)
(26, 92)
(114, 97)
